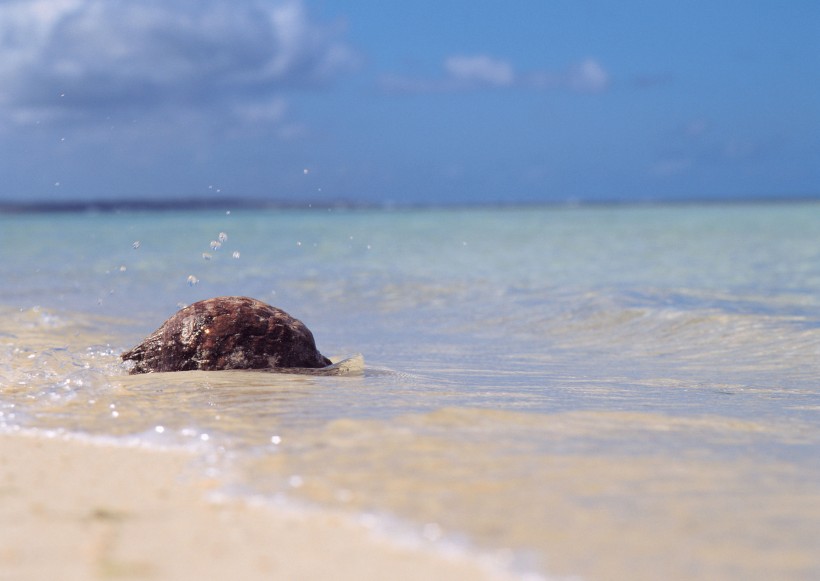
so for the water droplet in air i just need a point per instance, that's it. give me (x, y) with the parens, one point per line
(222, 237)
(306, 171)
(276, 440)
(123, 268)
(159, 429)
(235, 254)
(136, 244)
(192, 280)
(215, 245)
(206, 256)
(296, 481)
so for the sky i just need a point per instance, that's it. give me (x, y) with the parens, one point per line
(479, 101)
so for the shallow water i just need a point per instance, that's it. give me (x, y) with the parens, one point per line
(607, 393)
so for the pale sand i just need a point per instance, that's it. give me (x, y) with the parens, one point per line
(71, 510)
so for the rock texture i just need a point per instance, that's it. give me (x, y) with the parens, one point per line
(227, 333)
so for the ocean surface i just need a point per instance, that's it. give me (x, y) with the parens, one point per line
(589, 393)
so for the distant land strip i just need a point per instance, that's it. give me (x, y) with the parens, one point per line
(166, 205)
(212, 204)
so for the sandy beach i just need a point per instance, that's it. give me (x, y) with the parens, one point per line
(74, 510)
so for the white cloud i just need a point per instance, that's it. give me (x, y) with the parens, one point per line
(85, 58)
(588, 76)
(463, 73)
(482, 70)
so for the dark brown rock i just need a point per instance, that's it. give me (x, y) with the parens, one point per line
(227, 333)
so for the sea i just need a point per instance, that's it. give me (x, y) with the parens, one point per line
(606, 392)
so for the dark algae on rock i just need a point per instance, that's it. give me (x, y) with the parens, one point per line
(227, 333)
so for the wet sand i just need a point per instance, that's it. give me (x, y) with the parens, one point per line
(73, 510)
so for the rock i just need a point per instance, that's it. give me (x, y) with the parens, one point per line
(227, 333)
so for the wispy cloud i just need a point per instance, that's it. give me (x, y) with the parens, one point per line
(479, 70)
(475, 72)
(697, 144)
(84, 59)
(588, 76)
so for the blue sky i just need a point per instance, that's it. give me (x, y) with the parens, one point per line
(409, 102)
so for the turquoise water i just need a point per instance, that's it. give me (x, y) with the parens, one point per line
(607, 393)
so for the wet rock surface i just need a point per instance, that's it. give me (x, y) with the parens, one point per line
(227, 333)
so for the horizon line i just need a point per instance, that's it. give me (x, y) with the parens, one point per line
(206, 204)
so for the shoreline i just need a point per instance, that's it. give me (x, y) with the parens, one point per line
(87, 511)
